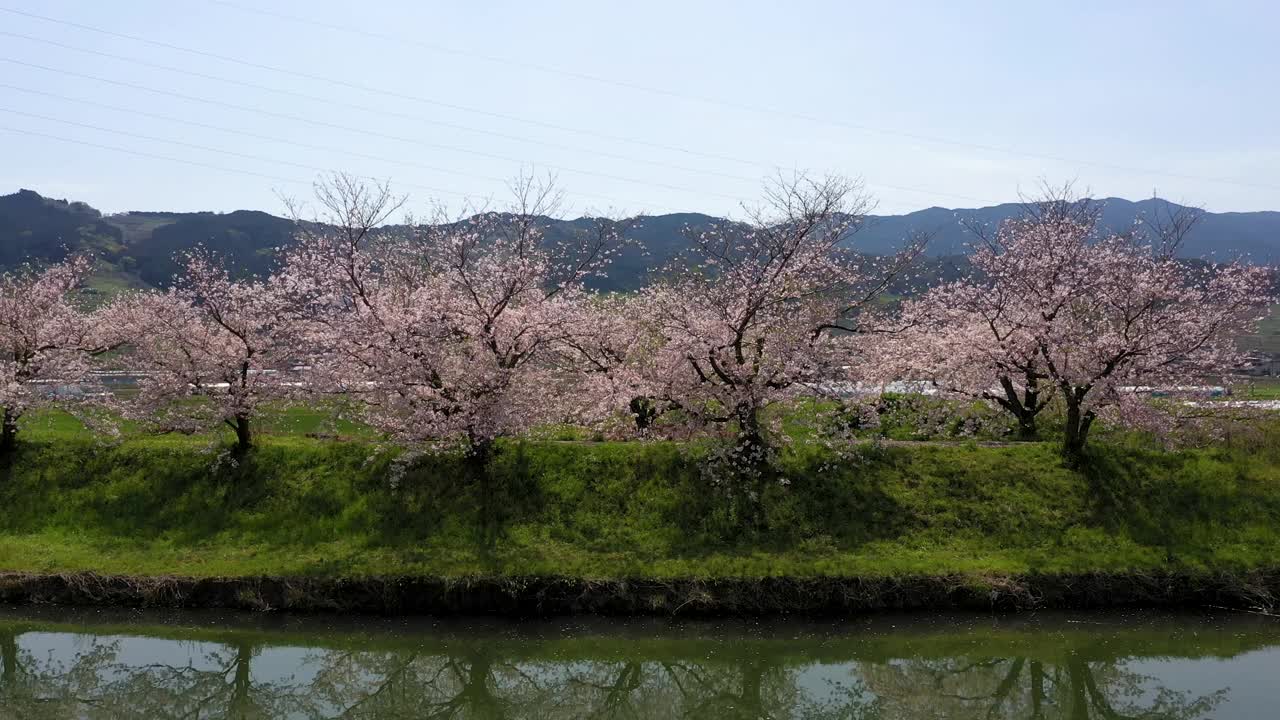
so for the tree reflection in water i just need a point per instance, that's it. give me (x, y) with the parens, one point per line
(1023, 687)
(158, 673)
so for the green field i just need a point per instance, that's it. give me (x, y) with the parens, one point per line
(353, 507)
(283, 421)
(1267, 337)
(1259, 388)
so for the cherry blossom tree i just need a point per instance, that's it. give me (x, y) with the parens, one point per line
(46, 339)
(961, 338)
(1060, 304)
(766, 308)
(446, 332)
(214, 350)
(608, 348)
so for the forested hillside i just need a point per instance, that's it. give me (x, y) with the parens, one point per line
(138, 248)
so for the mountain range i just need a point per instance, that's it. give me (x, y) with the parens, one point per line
(137, 249)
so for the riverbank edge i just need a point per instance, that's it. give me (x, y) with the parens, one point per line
(1253, 590)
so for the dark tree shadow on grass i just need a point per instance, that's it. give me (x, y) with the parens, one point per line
(445, 496)
(1166, 499)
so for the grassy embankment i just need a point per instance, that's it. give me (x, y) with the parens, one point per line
(303, 507)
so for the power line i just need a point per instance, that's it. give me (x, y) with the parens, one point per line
(186, 161)
(733, 104)
(372, 89)
(362, 131)
(195, 163)
(245, 133)
(205, 148)
(259, 158)
(389, 93)
(342, 150)
(154, 156)
(374, 110)
(772, 167)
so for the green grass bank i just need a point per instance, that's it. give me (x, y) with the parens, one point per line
(634, 527)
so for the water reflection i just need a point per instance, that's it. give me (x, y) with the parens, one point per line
(59, 665)
(1027, 688)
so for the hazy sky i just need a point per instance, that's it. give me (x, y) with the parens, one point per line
(655, 106)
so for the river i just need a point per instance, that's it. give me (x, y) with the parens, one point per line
(83, 663)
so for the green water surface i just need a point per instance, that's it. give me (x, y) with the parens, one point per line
(61, 663)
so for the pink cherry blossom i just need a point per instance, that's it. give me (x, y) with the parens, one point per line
(447, 331)
(213, 350)
(764, 310)
(47, 339)
(1059, 305)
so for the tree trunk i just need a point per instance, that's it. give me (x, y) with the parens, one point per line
(476, 468)
(1076, 432)
(750, 435)
(242, 683)
(1024, 407)
(8, 659)
(8, 432)
(478, 456)
(1037, 690)
(479, 452)
(749, 468)
(1076, 671)
(244, 432)
(644, 412)
(1006, 685)
(475, 697)
(752, 686)
(1031, 407)
(1027, 430)
(483, 702)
